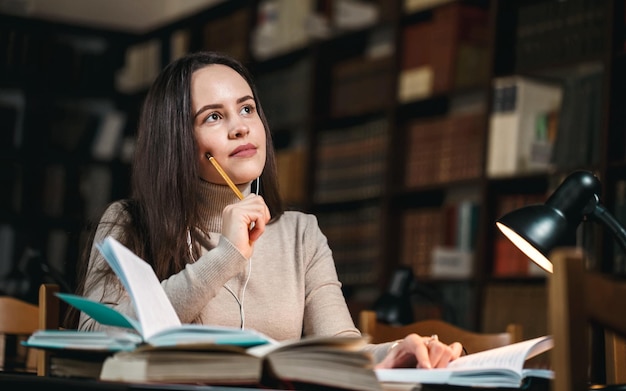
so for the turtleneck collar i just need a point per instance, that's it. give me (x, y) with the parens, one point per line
(213, 199)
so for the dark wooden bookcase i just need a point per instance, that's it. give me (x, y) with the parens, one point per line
(367, 143)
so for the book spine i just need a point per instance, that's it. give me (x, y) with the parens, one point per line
(455, 60)
(361, 85)
(423, 231)
(351, 162)
(444, 149)
(354, 237)
(559, 32)
(518, 126)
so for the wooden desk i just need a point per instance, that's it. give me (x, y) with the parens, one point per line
(22, 382)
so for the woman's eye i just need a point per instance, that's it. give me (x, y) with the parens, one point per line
(247, 109)
(212, 117)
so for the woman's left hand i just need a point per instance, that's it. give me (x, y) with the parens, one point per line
(415, 351)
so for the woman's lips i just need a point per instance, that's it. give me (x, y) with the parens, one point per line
(244, 151)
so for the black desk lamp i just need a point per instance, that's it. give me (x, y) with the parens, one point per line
(538, 229)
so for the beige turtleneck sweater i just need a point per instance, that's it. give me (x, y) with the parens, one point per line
(292, 287)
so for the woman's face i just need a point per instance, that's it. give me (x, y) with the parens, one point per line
(226, 125)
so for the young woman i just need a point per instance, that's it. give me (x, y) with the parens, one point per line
(221, 260)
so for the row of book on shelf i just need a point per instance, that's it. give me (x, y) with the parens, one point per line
(439, 242)
(560, 32)
(77, 178)
(351, 162)
(542, 124)
(59, 60)
(533, 121)
(157, 348)
(280, 26)
(354, 237)
(456, 60)
(444, 149)
(86, 128)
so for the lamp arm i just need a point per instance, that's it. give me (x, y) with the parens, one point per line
(601, 214)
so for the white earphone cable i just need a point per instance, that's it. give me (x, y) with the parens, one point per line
(243, 294)
(242, 312)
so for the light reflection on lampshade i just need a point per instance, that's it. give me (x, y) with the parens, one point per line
(538, 229)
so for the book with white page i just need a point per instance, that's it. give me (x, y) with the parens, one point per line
(315, 362)
(157, 323)
(171, 352)
(498, 367)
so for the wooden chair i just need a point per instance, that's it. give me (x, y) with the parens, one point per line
(49, 318)
(579, 298)
(18, 318)
(472, 341)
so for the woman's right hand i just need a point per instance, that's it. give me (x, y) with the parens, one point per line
(244, 222)
(415, 351)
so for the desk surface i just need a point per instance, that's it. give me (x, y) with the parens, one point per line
(22, 382)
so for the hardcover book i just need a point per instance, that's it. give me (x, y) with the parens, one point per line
(157, 323)
(158, 348)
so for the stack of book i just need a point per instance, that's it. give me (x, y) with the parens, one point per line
(156, 347)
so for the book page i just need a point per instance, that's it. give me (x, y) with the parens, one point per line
(499, 367)
(510, 356)
(154, 309)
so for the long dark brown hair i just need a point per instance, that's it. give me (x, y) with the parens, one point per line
(165, 173)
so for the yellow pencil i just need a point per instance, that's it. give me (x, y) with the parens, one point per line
(224, 175)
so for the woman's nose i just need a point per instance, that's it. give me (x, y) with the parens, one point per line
(239, 129)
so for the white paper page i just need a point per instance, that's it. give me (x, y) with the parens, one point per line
(154, 309)
(510, 356)
(496, 367)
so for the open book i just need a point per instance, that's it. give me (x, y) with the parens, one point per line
(499, 367)
(310, 362)
(157, 323)
(161, 349)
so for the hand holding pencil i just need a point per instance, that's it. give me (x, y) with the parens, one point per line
(256, 226)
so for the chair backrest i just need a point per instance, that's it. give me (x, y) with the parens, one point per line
(579, 298)
(21, 318)
(18, 318)
(472, 341)
(49, 318)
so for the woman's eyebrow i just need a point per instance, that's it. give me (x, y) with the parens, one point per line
(244, 98)
(205, 108)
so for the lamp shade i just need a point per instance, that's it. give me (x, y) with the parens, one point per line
(538, 229)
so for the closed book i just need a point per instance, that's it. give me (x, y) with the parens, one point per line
(519, 104)
(455, 59)
(307, 363)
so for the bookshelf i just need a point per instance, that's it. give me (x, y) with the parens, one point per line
(69, 103)
(381, 130)
(61, 159)
(553, 43)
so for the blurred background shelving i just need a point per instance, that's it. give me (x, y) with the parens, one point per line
(384, 116)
